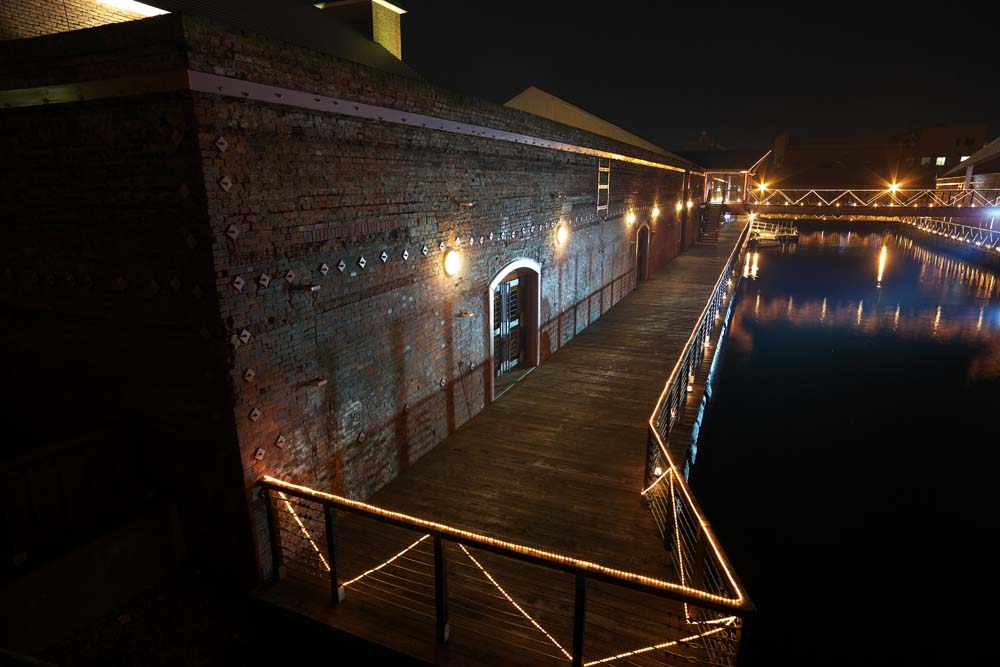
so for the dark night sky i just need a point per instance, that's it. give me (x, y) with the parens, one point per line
(744, 75)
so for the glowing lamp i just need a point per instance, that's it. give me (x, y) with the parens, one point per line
(657, 471)
(561, 234)
(631, 218)
(679, 207)
(893, 187)
(690, 203)
(656, 212)
(452, 262)
(762, 187)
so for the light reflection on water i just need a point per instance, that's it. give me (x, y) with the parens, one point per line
(887, 284)
(849, 450)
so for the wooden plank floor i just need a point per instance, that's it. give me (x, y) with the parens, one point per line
(556, 463)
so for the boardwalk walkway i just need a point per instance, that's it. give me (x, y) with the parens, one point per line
(555, 463)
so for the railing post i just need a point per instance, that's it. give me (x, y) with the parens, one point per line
(273, 536)
(699, 556)
(579, 619)
(337, 592)
(442, 628)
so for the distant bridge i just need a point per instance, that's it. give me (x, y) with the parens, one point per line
(891, 202)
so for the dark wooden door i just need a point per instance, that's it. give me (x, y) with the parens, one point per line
(508, 343)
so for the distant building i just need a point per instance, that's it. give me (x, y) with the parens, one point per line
(913, 158)
(981, 171)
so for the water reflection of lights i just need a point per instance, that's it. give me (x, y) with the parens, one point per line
(935, 269)
(753, 269)
(915, 322)
(881, 266)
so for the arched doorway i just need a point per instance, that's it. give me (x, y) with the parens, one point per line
(513, 303)
(642, 253)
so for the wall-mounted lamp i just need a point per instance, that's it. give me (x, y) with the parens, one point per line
(679, 207)
(562, 233)
(630, 218)
(690, 203)
(452, 262)
(656, 212)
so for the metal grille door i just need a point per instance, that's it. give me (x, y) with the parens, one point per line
(506, 326)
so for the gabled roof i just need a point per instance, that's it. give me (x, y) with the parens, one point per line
(540, 103)
(737, 160)
(985, 154)
(297, 23)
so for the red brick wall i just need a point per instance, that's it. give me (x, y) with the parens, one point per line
(110, 311)
(310, 188)
(31, 18)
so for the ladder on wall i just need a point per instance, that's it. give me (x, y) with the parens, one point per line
(603, 184)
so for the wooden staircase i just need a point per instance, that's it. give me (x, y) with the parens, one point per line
(711, 218)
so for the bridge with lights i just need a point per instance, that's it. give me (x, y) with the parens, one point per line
(890, 202)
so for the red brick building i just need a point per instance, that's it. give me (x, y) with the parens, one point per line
(230, 236)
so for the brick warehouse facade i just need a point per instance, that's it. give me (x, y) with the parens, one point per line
(187, 227)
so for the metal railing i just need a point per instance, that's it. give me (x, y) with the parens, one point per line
(985, 238)
(518, 601)
(697, 555)
(886, 197)
(525, 605)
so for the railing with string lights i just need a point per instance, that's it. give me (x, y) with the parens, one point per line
(697, 556)
(513, 604)
(985, 238)
(891, 197)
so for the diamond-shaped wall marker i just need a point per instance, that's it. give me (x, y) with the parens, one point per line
(424, 250)
(249, 374)
(458, 241)
(341, 265)
(259, 454)
(245, 336)
(232, 231)
(226, 183)
(289, 275)
(264, 280)
(443, 383)
(491, 236)
(384, 256)
(441, 246)
(324, 268)
(238, 284)
(472, 240)
(481, 240)
(362, 437)
(255, 414)
(280, 442)
(362, 262)
(222, 144)
(406, 255)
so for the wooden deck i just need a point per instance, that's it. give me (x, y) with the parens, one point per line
(556, 463)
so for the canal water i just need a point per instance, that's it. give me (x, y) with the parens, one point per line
(848, 458)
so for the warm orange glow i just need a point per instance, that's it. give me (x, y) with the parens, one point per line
(630, 218)
(762, 187)
(679, 207)
(379, 567)
(560, 559)
(690, 203)
(515, 604)
(656, 212)
(452, 262)
(305, 531)
(881, 266)
(561, 234)
(893, 187)
(729, 620)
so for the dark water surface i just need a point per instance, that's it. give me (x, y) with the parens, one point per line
(848, 458)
